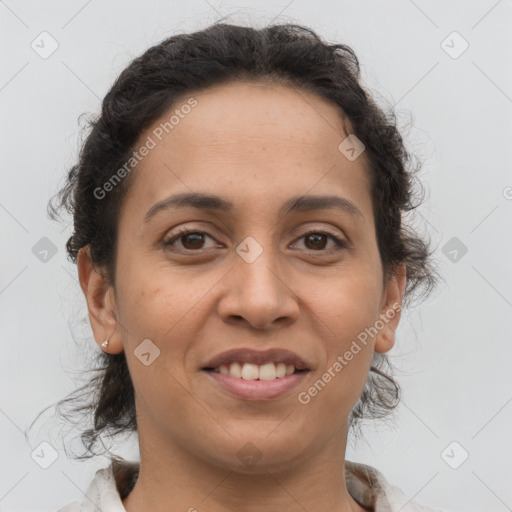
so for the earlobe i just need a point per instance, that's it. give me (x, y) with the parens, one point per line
(385, 339)
(390, 312)
(97, 291)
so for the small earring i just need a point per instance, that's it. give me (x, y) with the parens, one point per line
(105, 344)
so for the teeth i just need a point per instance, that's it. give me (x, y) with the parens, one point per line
(281, 370)
(235, 370)
(248, 371)
(267, 371)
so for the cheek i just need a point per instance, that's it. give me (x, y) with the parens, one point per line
(157, 305)
(348, 304)
(345, 313)
(153, 301)
(339, 383)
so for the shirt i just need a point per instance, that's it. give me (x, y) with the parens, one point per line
(365, 484)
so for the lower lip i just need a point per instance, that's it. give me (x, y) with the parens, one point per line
(257, 389)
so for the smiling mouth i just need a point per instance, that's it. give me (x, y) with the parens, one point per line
(249, 371)
(256, 382)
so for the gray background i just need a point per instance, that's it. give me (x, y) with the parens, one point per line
(453, 351)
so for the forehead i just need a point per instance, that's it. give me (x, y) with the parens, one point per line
(247, 140)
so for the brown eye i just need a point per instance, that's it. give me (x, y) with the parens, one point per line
(190, 240)
(318, 240)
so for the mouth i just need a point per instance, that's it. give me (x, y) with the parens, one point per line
(254, 375)
(249, 371)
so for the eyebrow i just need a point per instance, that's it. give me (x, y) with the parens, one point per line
(216, 203)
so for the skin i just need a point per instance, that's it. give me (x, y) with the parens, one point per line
(256, 145)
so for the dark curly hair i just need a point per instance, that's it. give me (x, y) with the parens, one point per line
(288, 54)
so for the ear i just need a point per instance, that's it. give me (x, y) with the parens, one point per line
(391, 309)
(100, 298)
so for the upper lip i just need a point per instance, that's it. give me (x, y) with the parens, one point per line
(247, 355)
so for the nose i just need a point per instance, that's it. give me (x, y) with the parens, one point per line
(259, 294)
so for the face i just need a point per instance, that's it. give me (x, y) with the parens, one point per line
(257, 271)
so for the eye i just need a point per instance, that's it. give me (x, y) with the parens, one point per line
(191, 239)
(317, 241)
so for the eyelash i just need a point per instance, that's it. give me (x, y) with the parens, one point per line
(340, 244)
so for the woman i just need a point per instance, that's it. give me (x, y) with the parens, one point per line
(237, 231)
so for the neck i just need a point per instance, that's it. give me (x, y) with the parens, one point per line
(171, 478)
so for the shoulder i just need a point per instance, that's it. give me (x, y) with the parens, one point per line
(370, 488)
(103, 491)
